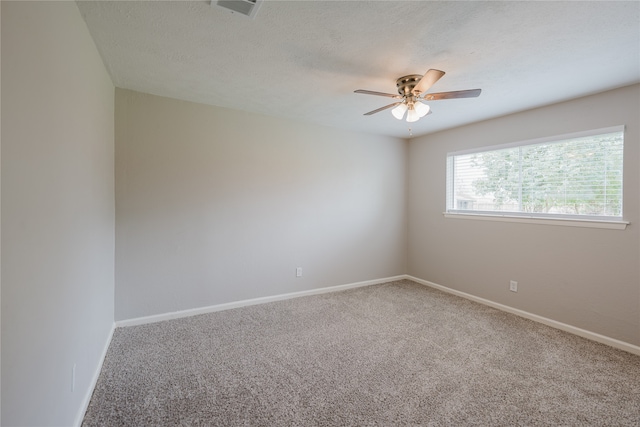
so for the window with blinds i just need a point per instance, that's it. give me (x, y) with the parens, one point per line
(570, 176)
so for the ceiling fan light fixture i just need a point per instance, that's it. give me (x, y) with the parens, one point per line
(412, 90)
(412, 115)
(399, 111)
(421, 109)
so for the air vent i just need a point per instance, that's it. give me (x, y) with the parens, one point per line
(243, 7)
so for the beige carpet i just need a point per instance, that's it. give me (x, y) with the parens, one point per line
(386, 355)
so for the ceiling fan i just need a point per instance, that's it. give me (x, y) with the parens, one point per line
(412, 90)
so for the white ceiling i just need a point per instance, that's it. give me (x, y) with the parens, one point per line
(303, 59)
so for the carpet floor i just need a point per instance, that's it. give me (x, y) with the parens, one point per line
(393, 354)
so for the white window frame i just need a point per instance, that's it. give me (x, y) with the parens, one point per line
(616, 223)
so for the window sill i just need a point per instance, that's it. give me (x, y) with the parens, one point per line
(565, 222)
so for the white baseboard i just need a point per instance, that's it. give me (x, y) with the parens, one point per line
(244, 303)
(248, 302)
(549, 322)
(94, 379)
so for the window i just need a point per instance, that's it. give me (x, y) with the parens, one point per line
(576, 176)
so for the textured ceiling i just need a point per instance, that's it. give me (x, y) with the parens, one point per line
(303, 59)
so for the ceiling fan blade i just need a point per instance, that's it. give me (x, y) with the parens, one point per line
(428, 80)
(382, 108)
(471, 93)
(370, 92)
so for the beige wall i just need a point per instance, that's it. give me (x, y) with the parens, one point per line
(588, 278)
(214, 205)
(57, 212)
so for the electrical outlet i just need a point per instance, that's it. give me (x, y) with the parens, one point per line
(299, 272)
(513, 286)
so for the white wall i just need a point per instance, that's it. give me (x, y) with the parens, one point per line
(214, 205)
(57, 212)
(588, 278)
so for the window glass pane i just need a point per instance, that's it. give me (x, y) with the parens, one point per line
(571, 177)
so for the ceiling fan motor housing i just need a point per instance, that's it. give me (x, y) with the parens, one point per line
(406, 84)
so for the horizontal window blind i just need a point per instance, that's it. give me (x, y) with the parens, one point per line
(579, 176)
